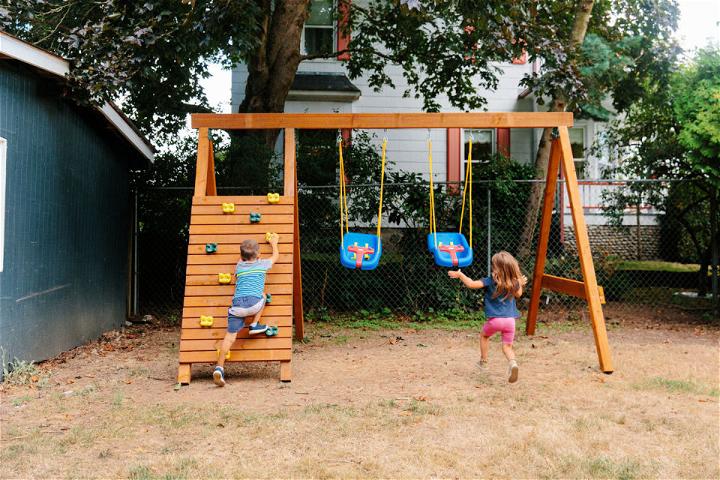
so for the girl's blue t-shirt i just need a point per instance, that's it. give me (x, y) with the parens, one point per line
(499, 306)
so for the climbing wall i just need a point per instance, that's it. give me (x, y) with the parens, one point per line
(206, 296)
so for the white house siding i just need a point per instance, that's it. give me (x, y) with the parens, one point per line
(407, 148)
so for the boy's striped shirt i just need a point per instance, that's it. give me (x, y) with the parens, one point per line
(251, 278)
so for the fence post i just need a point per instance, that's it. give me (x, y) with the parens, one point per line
(489, 230)
(714, 247)
(638, 248)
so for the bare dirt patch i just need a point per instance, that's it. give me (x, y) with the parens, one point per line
(385, 403)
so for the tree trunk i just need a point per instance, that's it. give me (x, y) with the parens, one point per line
(583, 13)
(272, 69)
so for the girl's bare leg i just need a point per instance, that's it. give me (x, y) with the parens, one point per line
(508, 351)
(484, 347)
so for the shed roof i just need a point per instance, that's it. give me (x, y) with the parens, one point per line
(14, 48)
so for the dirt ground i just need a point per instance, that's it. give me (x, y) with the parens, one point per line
(379, 403)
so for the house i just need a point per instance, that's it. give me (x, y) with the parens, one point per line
(65, 208)
(322, 86)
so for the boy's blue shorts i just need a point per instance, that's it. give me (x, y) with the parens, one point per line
(243, 307)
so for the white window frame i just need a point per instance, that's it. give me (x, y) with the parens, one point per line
(463, 137)
(584, 159)
(334, 40)
(3, 182)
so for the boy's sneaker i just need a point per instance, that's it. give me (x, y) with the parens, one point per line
(257, 328)
(512, 371)
(219, 376)
(482, 364)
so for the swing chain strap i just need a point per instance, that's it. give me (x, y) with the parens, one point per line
(344, 219)
(466, 187)
(433, 225)
(382, 188)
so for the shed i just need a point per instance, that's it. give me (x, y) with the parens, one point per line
(65, 208)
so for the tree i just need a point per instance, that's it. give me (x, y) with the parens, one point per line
(153, 53)
(613, 48)
(150, 54)
(671, 132)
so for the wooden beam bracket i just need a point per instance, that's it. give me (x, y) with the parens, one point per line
(568, 286)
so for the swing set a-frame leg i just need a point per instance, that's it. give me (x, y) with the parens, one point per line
(561, 154)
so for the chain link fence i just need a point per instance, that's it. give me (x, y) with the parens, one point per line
(644, 257)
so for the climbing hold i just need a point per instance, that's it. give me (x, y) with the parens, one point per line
(228, 208)
(227, 355)
(255, 217)
(268, 298)
(268, 236)
(273, 197)
(224, 277)
(271, 331)
(210, 247)
(206, 320)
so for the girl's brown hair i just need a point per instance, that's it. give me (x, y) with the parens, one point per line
(509, 281)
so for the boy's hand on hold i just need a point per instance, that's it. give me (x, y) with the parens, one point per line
(274, 239)
(454, 273)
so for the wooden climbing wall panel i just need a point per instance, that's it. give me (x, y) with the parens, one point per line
(205, 295)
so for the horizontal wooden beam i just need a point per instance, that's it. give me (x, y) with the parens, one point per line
(334, 121)
(568, 286)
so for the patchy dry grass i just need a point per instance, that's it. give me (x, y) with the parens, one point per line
(373, 402)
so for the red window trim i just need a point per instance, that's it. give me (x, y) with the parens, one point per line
(343, 40)
(502, 136)
(452, 166)
(522, 60)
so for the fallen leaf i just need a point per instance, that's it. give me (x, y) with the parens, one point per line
(34, 378)
(421, 398)
(128, 381)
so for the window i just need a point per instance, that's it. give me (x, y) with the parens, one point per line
(483, 144)
(3, 157)
(577, 144)
(319, 31)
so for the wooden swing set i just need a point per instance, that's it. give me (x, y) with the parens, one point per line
(218, 224)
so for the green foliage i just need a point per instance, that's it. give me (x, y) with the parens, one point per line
(20, 372)
(447, 47)
(151, 53)
(696, 103)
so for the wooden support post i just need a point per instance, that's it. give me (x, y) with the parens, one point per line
(586, 262)
(545, 223)
(201, 170)
(297, 268)
(289, 167)
(184, 373)
(211, 187)
(285, 371)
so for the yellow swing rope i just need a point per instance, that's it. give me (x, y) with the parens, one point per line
(344, 216)
(433, 225)
(343, 197)
(382, 187)
(468, 185)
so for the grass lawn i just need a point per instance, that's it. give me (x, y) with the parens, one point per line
(658, 266)
(374, 398)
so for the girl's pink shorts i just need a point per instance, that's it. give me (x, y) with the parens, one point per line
(504, 325)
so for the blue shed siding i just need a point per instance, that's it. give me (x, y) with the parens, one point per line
(66, 223)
